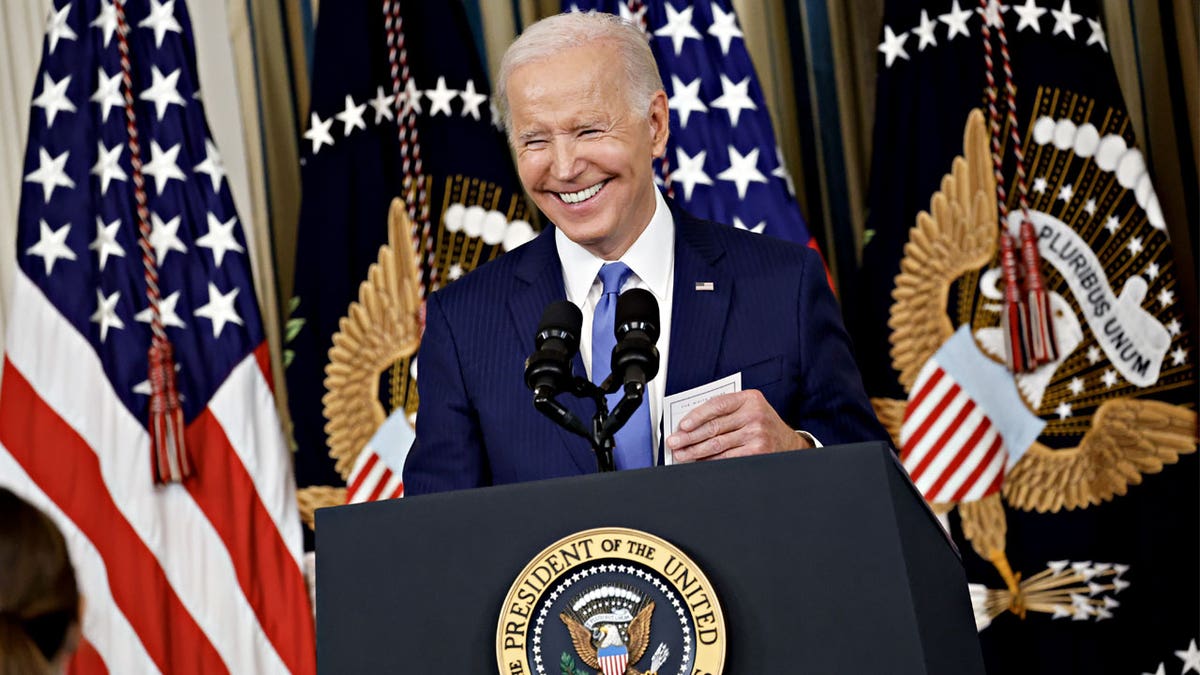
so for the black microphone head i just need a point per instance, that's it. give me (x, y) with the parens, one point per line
(562, 320)
(637, 310)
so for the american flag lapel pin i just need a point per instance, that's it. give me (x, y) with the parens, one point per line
(705, 286)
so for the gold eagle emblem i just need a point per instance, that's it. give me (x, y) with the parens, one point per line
(1128, 437)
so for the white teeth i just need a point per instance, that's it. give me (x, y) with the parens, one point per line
(582, 195)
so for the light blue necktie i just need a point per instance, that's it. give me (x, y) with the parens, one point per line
(634, 449)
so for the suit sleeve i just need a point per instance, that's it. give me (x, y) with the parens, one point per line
(835, 406)
(448, 453)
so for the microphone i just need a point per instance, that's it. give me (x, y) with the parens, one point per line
(635, 358)
(548, 369)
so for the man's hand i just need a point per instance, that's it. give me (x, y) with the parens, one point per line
(733, 425)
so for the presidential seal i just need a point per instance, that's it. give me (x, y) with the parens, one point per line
(611, 601)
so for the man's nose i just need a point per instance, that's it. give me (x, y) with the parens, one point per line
(566, 160)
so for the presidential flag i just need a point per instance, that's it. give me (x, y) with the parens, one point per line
(1078, 522)
(722, 161)
(127, 238)
(401, 108)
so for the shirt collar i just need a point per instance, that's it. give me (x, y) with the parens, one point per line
(646, 257)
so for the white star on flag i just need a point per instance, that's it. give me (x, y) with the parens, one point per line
(166, 312)
(734, 98)
(106, 20)
(1152, 271)
(993, 14)
(956, 21)
(679, 27)
(351, 116)
(1174, 327)
(686, 99)
(52, 245)
(212, 165)
(1097, 36)
(53, 98)
(219, 309)
(471, 100)
(1166, 297)
(1109, 378)
(724, 27)
(161, 20)
(106, 313)
(219, 238)
(1090, 207)
(1135, 245)
(108, 93)
(382, 103)
(1179, 356)
(1030, 15)
(1039, 184)
(164, 237)
(105, 243)
(1066, 193)
(440, 98)
(892, 46)
(410, 98)
(1076, 386)
(318, 132)
(781, 171)
(926, 31)
(1065, 19)
(163, 91)
(689, 171)
(743, 170)
(57, 28)
(50, 173)
(1112, 224)
(1093, 355)
(163, 165)
(108, 165)
(1063, 410)
(757, 229)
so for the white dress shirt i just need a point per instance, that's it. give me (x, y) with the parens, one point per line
(652, 261)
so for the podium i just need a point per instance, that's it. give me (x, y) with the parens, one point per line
(823, 561)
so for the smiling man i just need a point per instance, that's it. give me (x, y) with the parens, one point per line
(586, 114)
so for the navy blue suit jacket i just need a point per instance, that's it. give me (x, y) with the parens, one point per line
(770, 315)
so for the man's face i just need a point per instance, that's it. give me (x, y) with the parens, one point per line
(582, 154)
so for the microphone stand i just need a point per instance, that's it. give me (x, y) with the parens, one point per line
(604, 425)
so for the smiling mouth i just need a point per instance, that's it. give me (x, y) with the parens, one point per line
(583, 195)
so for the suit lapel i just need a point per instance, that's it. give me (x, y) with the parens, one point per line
(698, 317)
(539, 283)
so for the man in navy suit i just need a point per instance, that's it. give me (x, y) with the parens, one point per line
(586, 114)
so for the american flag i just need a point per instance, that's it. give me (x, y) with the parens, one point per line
(198, 576)
(722, 162)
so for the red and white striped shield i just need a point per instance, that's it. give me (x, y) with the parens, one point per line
(613, 659)
(965, 423)
(951, 448)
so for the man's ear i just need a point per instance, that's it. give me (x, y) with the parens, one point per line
(660, 123)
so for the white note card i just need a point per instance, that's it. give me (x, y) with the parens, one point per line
(677, 406)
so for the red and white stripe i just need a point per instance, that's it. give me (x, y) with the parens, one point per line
(371, 479)
(614, 665)
(203, 577)
(950, 447)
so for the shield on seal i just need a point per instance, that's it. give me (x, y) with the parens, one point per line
(613, 659)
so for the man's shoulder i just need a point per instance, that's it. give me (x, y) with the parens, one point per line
(745, 248)
(492, 281)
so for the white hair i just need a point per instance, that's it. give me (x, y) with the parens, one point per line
(558, 33)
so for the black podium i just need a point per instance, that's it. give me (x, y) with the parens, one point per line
(824, 561)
